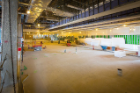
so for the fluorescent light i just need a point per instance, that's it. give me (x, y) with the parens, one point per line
(124, 25)
(71, 6)
(38, 24)
(28, 12)
(96, 29)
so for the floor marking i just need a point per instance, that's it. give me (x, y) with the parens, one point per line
(6, 41)
(25, 68)
(22, 73)
(35, 71)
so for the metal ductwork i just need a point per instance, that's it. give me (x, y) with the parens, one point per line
(71, 6)
(59, 12)
(36, 8)
(115, 10)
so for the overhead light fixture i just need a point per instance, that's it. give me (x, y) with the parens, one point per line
(80, 32)
(110, 30)
(96, 29)
(117, 28)
(124, 25)
(28, 12)
(134, 29)
(39, 25)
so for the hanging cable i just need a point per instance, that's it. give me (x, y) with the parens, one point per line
(11, 47)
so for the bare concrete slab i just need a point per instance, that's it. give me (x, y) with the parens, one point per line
(87, 71)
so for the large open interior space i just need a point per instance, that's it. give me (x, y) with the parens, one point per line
(70, 46)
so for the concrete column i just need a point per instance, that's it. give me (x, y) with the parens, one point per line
(19, 32)
(9, 40)
(19, 36)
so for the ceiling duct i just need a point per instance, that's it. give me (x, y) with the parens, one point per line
(36, 8)
(115, 10)
(58, 12)
(50, 18)
(71, 6)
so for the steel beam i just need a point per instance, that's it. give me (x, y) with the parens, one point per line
(115, 10)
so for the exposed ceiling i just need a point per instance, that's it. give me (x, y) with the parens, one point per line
(115, 10)
(50, 11)
(43, 13)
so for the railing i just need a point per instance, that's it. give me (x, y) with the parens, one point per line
(95, 9)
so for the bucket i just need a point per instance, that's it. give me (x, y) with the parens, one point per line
(104, 47)
(113, 48)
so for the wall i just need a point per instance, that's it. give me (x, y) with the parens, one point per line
(115, 31)
(131, 34)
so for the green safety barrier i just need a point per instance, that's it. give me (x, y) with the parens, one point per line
(129, 39)
(25, 68)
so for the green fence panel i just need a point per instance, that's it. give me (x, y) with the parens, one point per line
(124, 36)
(129, 39)
(138, 39)
(126, 39)
(108, 36)
(133, 39)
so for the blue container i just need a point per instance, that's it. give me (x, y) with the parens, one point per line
(113, 48)
(104, 47)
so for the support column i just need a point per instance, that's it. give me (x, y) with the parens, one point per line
(19, 32)
(9, 41)
(19, 36)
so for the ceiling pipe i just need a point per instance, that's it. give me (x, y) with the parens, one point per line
(71, 6)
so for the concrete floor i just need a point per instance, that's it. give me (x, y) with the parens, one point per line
(88, 71)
